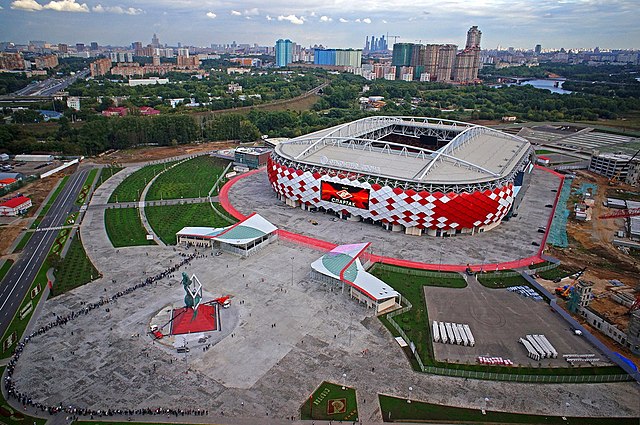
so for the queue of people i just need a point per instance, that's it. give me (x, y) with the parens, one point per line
(27, 400)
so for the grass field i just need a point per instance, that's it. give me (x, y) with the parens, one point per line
(124, 227)
(131, 187)
(52, 199)
(75, 270)
(105, 174)
(495, 280)
(11, 416)
(86, 186)
(5, 268)
(395, 275)
(167, 220)
(331, 402)
(398, 410)
(191, 179)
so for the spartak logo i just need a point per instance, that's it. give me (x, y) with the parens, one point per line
(344, 194)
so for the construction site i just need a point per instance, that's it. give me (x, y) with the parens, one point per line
(599, 250)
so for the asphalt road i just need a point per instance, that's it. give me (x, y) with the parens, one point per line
(17, 282)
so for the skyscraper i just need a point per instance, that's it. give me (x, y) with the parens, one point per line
(446, 61)
(284, 52)
(155, 42)
(538, 49)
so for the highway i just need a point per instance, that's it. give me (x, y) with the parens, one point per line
(49, 86)
(18, 281)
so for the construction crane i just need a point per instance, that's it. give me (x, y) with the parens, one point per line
(625, 213)
(614, 180)
(635, 306)
(565, 291)
(395, 38)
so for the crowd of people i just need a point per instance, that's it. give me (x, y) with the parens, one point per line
(26, 400)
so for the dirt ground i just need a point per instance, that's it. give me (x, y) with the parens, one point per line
(590, 245)
(37, 191)
(152, 153)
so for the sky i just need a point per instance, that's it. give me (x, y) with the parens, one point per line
(608, 24)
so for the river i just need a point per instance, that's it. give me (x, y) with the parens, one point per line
(548, 85)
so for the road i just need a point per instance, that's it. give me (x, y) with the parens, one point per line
(50, 86)
(18, 281)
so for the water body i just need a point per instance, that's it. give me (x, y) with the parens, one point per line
(548, 85)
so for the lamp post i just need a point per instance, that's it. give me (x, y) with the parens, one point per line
(344, 381)
(409, 398)
(440, 256)
(292, 270)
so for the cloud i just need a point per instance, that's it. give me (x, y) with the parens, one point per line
(236, 13)
(343, 20)
(292, 18)
(252, 12)
(30, 5)
(366, 20)
(357, 20)
(384, 21)
(211, 15)
(324, 18)
(117, 10)
(67, 6)
(269, 18)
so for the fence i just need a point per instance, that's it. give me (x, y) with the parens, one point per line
(417, 272)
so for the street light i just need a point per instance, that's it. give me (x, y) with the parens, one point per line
(344, 381)
(292, 270)
(409, 399)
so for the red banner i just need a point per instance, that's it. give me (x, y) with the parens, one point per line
(344, 194)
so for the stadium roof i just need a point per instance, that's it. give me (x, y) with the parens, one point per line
(342, 263)
(253, 227)
(473, 154)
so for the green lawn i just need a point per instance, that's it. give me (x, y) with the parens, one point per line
(105, 174)
(131, 187)
(124, 227)
(191, 179)
(5, 268)
(11, 416)
(497, 279)
(558, 272)
(76, 269)
(86, 186)
(396, 275)
(543, 152)
(331, 402)
(52, 199)
(398, 410)
(167, 220)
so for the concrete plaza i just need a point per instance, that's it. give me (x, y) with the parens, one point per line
(105, 359)
(511, 240)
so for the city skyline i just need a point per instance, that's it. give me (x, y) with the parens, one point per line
(337, 24)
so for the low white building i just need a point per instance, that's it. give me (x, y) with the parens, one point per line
(147, 81)
(342, 266)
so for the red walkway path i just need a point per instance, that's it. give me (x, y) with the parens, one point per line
(323, 245)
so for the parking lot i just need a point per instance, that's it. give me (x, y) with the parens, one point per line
(498, 319)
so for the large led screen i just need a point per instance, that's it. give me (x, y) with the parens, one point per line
(344, 194)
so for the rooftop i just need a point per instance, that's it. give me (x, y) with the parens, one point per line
(474, 154)
(15, 202)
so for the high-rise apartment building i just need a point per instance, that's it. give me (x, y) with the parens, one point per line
(155, 41)
(538, 49)
(338, 57)
(284, 52)
(94, 46)
(63, 48)
(46, 62)
(473, 38)
(446, 62)
(11, 61)
(80, 47)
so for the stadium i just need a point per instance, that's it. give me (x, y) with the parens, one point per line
(412, 174)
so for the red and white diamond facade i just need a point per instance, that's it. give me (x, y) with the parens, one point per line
(467, 185)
